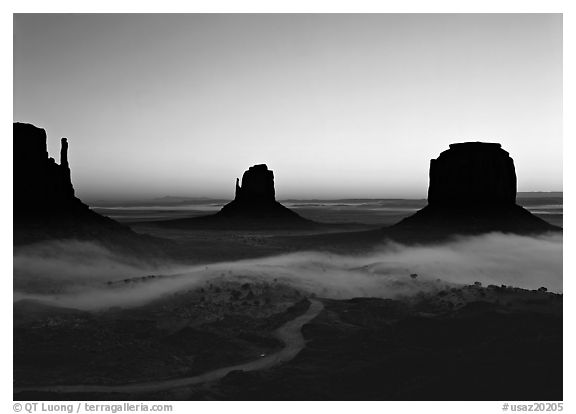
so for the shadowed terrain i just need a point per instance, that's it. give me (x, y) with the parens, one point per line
(466, 343)
(256, 302)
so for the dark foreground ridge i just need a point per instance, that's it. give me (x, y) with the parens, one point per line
(451, 342)
(45, 206)
(473, 190)
(254, 207)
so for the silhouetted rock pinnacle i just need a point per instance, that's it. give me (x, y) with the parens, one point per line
(45, 206)
(40, 185)
(256, 200)
(254, 207)
(472, 190)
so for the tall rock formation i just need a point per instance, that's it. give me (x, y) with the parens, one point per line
(257, 185)
(255, 201)
(256, 197)
(254, 207)
(41, 187)
(472, 173)
(472, 190)
(68, 189)
(45, 206)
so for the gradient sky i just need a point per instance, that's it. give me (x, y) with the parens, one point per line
(337, 105)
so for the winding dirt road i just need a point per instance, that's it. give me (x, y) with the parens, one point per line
(290, 333)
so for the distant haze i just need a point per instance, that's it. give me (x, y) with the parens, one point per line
(337, 105)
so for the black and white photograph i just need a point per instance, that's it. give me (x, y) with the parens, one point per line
(287, 207)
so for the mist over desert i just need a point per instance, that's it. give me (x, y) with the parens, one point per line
(287, 207)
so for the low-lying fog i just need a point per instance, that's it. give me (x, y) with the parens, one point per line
(76, 274)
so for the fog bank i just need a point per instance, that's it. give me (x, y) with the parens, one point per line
(76, 274)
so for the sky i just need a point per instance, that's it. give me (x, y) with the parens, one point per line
(338, 105)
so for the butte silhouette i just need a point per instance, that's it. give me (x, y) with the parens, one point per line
(473, 190)
(254, 207)
(45, 205)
